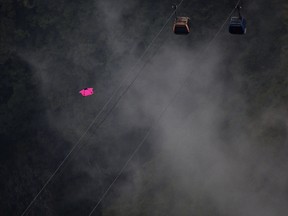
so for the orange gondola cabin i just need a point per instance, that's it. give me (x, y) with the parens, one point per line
(181, 25)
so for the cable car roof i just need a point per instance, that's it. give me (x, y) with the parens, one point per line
(236, 20)
(182, 20)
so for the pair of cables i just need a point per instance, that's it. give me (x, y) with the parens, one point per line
(100, 120)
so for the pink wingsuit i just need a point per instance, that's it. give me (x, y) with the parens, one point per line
(86, 92)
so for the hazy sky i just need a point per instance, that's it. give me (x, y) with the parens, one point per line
(205, 156)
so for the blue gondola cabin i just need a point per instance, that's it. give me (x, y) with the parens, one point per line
(237, 25)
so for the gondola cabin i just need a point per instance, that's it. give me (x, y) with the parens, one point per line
(181, 25)
(237, 25)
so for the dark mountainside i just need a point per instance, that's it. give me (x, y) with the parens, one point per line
(220, 149)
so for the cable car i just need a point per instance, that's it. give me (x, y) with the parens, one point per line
(237, 24)
(181, 25)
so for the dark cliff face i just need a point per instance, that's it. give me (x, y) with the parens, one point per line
(220, 149)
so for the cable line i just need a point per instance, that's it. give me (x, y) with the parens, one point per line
(158, 119)
(101, 111)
